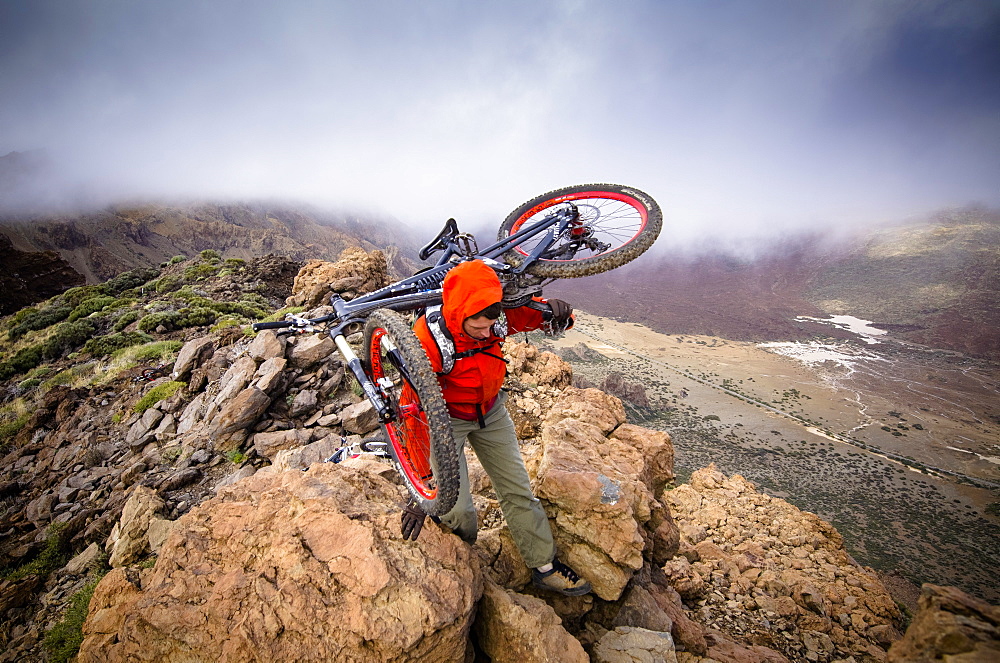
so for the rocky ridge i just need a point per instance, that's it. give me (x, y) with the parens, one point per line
(222, 548)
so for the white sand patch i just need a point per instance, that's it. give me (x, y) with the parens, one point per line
(816, 431)
(854, 325)
(815, 353)
(989, 459)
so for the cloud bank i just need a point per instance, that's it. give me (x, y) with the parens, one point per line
(739, 118)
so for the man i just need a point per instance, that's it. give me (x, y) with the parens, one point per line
(470, 382)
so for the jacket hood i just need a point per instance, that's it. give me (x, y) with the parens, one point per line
(467, 289)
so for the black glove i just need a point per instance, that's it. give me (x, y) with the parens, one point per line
(413, 520)
(561, 311)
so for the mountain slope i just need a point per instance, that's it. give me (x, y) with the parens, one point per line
(935, 283)
(100, 245)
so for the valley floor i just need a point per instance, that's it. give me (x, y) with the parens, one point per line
(897, 446)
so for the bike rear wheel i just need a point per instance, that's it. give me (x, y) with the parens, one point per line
(615, 225)
(420, 439)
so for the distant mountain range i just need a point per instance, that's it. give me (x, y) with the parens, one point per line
(95, 246)
(935, 283)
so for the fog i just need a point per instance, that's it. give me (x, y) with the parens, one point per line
(743, 119)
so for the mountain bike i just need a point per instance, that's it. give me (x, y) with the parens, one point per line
(567, 233)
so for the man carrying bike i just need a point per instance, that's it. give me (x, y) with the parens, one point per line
(471, 380)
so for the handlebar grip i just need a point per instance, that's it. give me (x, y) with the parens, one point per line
(257, 326)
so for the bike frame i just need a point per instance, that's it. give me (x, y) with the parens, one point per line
(424, 289)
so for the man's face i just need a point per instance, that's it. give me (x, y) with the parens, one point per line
(477, 328)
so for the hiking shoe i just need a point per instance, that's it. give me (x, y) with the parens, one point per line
(560, 579)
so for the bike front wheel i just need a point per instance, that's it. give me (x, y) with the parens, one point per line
(420, 439)
(613, 225)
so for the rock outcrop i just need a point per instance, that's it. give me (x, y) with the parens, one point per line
(755, 566)
(356, 272)
(306, 566)
(950, 625)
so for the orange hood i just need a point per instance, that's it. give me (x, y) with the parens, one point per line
(468, 289)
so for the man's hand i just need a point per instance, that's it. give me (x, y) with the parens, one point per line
(561, 311)
(412, 521)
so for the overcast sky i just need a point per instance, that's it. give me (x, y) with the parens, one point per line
(749, 116)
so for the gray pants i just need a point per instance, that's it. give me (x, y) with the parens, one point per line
(496, 447)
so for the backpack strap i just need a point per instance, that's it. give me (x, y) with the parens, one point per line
(442, 337)
(446, 342)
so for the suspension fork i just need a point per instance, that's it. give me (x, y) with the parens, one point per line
(371, 390)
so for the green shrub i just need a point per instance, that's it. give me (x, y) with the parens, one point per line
(131, 279)
(225, 323)
(70, 375)
(75, 296)
(157, 394)
(8, 429)
(200, 271)
(177, 259)
(126, 318)
(234, 263)
(63, 640)
(28, 384)
(105, 345)
(210, 255)
(20, 316)
(236, 456)
(255, 299)
(168, 283)
(167, 319)
(197, 316)
(24, 360)
(156, 351)
(281, 313)
(50, 559)
(68, 336)
(92, 305)
(39, 319)
(243, 309)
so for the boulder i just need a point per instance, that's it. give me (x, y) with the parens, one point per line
(360, 418)
(950, 625)
(83, 562)
(235, 379)
(595, 487)
(267, 345)
(269, 444)
(129, 540)
(191, 355)
(310, 350)
(627, 644)
(299, 458)
(304, 403)
(304, 566)
(269, 374)
(514, 628)
(240, 412)
(537, 367)
(356, 271)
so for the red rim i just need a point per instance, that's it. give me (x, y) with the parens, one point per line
(584, 195)
(409, 435)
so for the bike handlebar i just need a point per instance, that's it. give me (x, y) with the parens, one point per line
(257, 326)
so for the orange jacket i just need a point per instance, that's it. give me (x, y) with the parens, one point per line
(468, 289)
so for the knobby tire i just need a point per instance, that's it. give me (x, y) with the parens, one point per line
(420, 439)
(632, 218)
